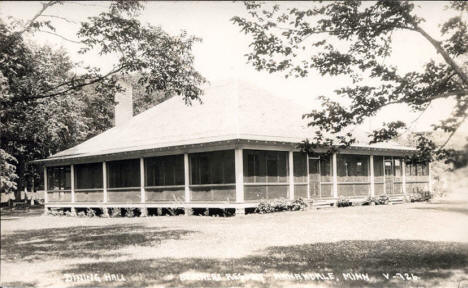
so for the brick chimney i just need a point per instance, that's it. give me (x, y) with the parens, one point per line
(124, 107)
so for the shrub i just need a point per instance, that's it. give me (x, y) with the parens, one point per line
(90, 212)
(115, 212)
(81, 214)
(278, 205)
(70, 213)
(343, 202)
(381, 200)
(54, 212)
(420, 196)
(129, 212)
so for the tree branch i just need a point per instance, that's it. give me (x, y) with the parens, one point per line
(60, 36)
(438, 47)
(453, 132)
(59, 17)
(71, 88)
(38, 14)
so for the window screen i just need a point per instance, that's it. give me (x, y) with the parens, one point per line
(59, 178)
(212, 168)
(352, 165)
(88, 176)
(265, 166)
(123, 173)
(300, 167)
(378, 166)
(165, 170)
(325, 166)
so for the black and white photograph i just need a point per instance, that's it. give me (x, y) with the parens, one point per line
(232, 144)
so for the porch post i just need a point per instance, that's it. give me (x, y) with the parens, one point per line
(403, 177)
(308, 178)
(72, 178)
(239, 163)
(142, 180)
(384, 176)
(291, 175)
(430, 176)
(335, 179)
(372, 177)
(186, 178)
(46, 198)
(104, 181)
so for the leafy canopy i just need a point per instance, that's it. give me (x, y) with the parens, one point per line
(353, 38)
(47, 106)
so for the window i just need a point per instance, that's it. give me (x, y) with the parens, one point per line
(352, 165)
(59, 178)
(265, 166)
(123, 173)
(165, 171)
(88, 176)
(212, 168)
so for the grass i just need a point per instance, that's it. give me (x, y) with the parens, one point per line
(427, 240)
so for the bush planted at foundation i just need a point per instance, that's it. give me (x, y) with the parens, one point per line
(420, 196)
(129, 212)
(278, 205)
(115, 212)
(90, 212)
(343, 202)
(380, 200)
(55, 212)
(70, 213)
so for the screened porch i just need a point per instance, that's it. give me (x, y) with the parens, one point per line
(234, 176)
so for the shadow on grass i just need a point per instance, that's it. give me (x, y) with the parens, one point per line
(434, 262)
(78, 241)
(444, 208)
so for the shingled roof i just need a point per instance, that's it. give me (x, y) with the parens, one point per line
(232, 110)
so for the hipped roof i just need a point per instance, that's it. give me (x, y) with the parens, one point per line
(232, 110)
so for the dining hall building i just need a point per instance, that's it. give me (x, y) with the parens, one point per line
(237, 148)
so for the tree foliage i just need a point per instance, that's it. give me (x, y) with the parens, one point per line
(47, 106)
(353, 39)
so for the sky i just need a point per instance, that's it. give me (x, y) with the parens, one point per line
(220, 55)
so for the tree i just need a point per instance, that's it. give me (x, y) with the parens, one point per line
(46, 106)
(352, 38)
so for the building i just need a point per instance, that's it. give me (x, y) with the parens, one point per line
(240, 146)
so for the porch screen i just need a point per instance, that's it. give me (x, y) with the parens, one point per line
(88, 176)
(88, 182)
(300, 175)
(379, 175)
(265, 174)
(59, 184)
(59, 178)
(212, 168)
(326, 169)
(165, 178)
(300, 167)
(213, 176)
(355, 166)
(123, 173)
(416, 172)
(165, 171)
(352, 172)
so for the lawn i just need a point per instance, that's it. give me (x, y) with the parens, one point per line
(413, 245)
